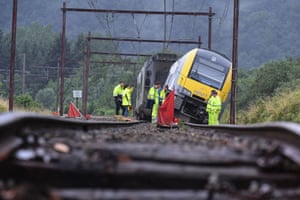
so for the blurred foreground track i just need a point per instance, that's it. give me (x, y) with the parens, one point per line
(57, 158)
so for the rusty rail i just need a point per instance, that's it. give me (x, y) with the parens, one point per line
(286, 133)
(147, 171)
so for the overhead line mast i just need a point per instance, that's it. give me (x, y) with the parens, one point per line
(234, 61)
(65, 9)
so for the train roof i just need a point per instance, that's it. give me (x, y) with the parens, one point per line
(168, 57)
(211, 50)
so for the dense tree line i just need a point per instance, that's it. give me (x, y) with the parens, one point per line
(268, 30)
(40, 48)
(267, 80)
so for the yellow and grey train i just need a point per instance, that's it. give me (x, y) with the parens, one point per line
(192, 77)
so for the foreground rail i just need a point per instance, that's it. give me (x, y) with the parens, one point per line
(39, 155)
(286, 133)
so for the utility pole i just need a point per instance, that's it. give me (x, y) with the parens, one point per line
(209, 27)
(234, 61)
(62, 60)
(12, 56)
(23, 73)
(165, 25)
(85, 78)
(57, 86)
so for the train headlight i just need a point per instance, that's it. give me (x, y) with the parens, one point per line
(184, 91)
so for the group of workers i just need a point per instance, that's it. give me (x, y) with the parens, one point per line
(156, 96)
(122, 96)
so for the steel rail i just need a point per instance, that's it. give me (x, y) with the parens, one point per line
(12, 122)
(286, 133)
(140, 166)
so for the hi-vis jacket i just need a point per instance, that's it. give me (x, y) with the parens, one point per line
(214, 105)
(152, 94)
(118, 91)
(126, 99)
(162, 96)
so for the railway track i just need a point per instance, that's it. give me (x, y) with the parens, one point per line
(51, 158)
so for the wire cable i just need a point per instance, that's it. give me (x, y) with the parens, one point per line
(222, 19)
(172, 21)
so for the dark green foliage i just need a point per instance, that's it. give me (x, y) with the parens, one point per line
(268, 30)
(46, 97)
(269, 77)
(25, 101)
(267, 80)
(264, 35)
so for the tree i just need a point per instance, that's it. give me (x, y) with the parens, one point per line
(271, 76)
(46, 97)
(267, 80)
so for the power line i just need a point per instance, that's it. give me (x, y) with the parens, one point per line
(172, 21)
(222, 18)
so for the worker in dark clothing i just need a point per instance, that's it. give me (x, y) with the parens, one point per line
(117, 94)
(126, 102)
(152, 93)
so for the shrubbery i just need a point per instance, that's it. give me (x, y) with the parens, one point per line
(26, 102)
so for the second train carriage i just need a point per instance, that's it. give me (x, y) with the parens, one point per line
(154, 69)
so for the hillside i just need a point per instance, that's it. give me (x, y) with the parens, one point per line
(267, 31)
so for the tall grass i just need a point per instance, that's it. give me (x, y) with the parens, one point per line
(284, 106)
(3, 105)
(4, 108)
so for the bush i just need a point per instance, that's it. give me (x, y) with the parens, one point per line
(284, 106)
(3, 106)
(46, 97)
(25, 101)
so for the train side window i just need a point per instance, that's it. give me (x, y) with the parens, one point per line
(147, 82)
(148, 73)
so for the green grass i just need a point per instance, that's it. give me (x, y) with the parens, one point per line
(283, 106)
(4, 105)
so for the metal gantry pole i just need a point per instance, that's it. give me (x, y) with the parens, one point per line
(57, 86)
(209, 27)
(85, 77)
(200, 42)
(234, 61)
(12, 56)
(64, 9)
(144, 40)
(165, 25)
(23, 73)
(62, 60)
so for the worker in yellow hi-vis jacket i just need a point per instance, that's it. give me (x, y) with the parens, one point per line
(213, 108)
(155, 96)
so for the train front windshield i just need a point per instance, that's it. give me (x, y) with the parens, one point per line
(210, 70)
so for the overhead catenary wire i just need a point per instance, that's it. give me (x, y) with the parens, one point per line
(107, 23)
(172, 21)
(222, 19)
(138, 29)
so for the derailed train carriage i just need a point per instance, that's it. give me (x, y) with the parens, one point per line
(192, 77)
(154, 69)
